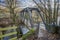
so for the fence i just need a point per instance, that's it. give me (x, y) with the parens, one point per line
(2, 36)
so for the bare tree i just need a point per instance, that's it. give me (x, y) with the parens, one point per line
(49, 9)
(11, 5)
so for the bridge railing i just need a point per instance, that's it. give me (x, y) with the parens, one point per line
(8, 33)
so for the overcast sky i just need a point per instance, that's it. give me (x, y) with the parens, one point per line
(27, 3)
(23, 3)
(30, 3)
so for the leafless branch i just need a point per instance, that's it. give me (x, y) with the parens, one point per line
(50, 12)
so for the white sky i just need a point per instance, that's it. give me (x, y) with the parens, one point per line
(23, 3)
(27, 3)
(30, 3)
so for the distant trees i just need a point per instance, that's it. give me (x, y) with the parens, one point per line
(49, 9)
(11, 5)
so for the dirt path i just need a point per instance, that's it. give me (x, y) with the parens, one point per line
(44, 35)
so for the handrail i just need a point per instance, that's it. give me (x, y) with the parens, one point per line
(15, 38)
(7, 28)
(8, 34)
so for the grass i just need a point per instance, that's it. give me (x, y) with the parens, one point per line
(24, 37)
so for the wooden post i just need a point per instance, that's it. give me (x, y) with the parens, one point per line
(0, 35)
